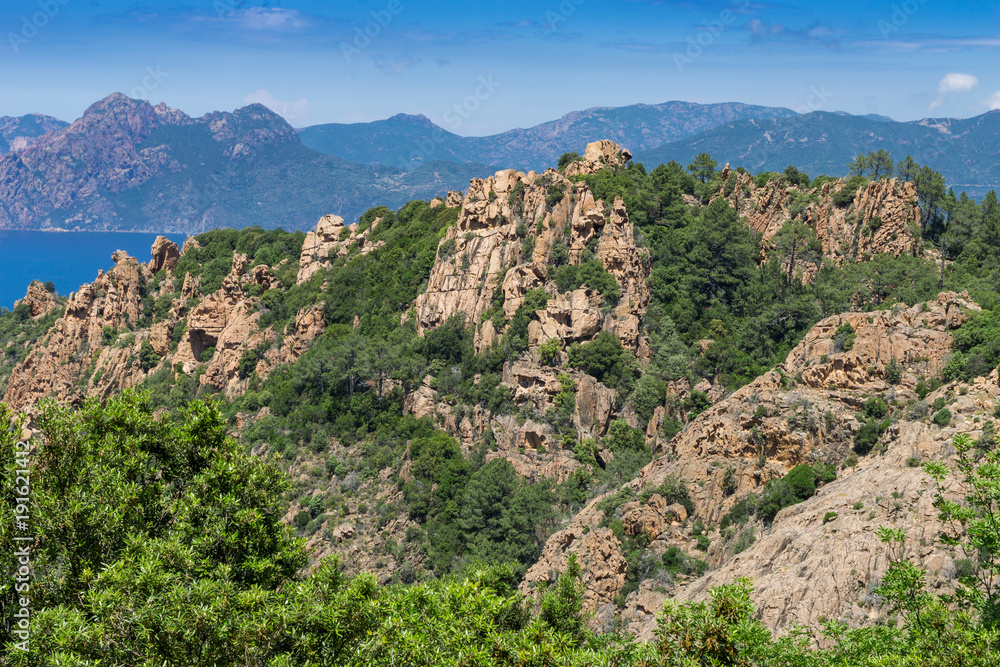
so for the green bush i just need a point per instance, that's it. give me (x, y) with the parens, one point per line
(868, 436)
(592, 274)
(829, 516)
(605, 359)
(744, 540)
(876, 408)
(943, 417)
(567, 158)
(893, 372)
(801, 480)
(729, 485)
(549, 351)
(843, 338)
(147, 356)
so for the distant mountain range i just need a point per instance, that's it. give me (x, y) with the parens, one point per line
(127, 165)
(19, 132)
(408, 142)
(965, 151)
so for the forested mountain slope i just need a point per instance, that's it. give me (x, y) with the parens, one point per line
(408, 142)
(964, 150)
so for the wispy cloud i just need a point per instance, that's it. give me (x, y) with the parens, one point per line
(761, 32)
(930, 44)
(994, 101)
(288, 110)
(268, 19)
(393, 65)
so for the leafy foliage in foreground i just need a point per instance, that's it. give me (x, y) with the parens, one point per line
(159, 542)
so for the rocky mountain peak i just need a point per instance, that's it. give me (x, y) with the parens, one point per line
(419, 120)
(600, 155)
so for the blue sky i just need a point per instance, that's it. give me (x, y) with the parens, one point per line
(521, 63)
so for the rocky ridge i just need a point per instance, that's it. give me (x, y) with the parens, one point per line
(883, 217)
(805, 565)
(17, 133)
(95, 348)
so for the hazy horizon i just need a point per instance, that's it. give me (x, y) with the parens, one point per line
(518, 65)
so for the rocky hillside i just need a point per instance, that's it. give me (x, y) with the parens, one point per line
(818, 558)
(882, 217)
(536, 368)
(19, 132)
(127, 165)
(964, 150)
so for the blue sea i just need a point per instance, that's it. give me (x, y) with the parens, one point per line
(68, 259)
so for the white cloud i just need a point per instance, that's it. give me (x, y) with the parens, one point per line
(957, 83)
(288, 110)
(994, 100)
(953, 82)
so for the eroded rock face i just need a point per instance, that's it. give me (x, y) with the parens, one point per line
(330, 239)
(600, 555)
(317, 246)
(484, 255)
(55, 367)
(803, 567)
(602, 154)
(94, 348)
(165, 255)
(917, 337)
(884, 217)
(38, 299)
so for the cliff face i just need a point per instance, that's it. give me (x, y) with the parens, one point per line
(484, 255)
(514, 231)
(883, 217)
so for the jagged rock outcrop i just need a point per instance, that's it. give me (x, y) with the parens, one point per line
(38, 300)
(804, 411)
(884, 217)
(94, 348)
(513, 230)
(57, 366)
(916, 337)
(483, 256)
(165, 255)
(317, 246)
(602, 154)
(331, 238)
